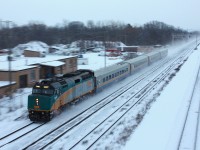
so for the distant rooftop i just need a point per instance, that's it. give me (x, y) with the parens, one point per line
(22, 63)
(53, 63)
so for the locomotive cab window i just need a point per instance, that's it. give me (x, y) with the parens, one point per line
(47, 91)
(36, 91)
(43, 91)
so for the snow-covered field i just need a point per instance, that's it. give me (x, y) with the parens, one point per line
(159, 129)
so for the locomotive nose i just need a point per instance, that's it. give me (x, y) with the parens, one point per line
(39, 108)
(39, 102)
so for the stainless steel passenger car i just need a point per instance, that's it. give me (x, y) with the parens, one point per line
(163, 53)
(138, 63)
(153, 56)
(107, 76)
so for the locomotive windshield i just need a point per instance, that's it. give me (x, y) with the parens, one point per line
(43, 91)
(47, 91)
(37, 91)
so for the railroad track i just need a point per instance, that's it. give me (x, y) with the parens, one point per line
(92, 110)
(13, 132)
(78, 119)
(101, 104)
(19, 133)
(191, 122)
(92, 137)
(65, 128)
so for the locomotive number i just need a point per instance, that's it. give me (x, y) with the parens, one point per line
(36, 107)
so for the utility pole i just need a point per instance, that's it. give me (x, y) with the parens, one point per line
(9, 58)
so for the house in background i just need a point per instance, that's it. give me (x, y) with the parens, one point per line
(24, 76)
(60, 66)
(24, 72)
(49, 69)
(21, 77)
(31, 53)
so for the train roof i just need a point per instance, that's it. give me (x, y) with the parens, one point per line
(68, 78)
(110, 68)
(77, 73)
(143, 57)
(163, 50)
(152, 53)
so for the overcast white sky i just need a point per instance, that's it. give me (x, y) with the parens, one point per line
(179, 13)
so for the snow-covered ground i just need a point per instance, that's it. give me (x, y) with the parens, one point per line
(159, 128)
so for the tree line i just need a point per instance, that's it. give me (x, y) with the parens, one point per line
(151, 33)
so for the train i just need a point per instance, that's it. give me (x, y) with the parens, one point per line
(51, 95)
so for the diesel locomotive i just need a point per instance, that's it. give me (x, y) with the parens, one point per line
(52, 94)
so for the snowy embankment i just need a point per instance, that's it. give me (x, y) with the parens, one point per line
(161, 126)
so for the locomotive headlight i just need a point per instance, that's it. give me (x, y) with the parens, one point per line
(37, 101)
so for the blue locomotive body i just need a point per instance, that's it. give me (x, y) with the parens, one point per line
(51, 94)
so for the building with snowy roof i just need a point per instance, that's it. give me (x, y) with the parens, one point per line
(26, 71)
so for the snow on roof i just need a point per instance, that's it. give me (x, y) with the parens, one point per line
(48, 58)
(31, 46)
(17, 68)
(22, 63)
(53, 63)
(58, 46)
(5, 83)
(55, 47)
(121, 44)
